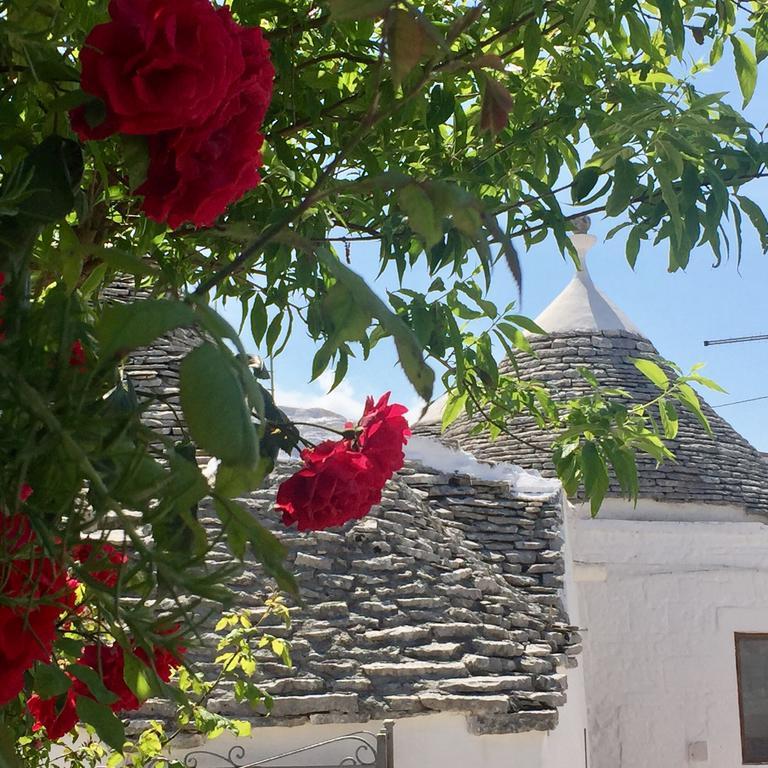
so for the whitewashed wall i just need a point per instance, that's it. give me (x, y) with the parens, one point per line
(432, 741)
(441, 740)
(660, 601)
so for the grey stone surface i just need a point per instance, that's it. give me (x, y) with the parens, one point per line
(721, 468)
(426, 605)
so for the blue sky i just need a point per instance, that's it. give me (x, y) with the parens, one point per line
(676, 311)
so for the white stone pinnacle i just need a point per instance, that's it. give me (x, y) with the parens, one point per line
(582, 306)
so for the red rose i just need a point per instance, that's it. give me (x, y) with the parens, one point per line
(336, 484)
(102, 560)
(77, 357)
(194, 175)
(384, 432)
(158, 65)
(198, 85)
(341, 480)
(34, 593)
(109, 662)
(57, 715)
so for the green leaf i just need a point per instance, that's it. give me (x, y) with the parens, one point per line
(214, 405)
(56, 167)
(531, 43)
(138, 677)
(708, 383)
(527, 323)
(125, 327)
(624, 186)
(757, 217)
(259, 319)
(236, 481)
(417, 206)
(761, 38)
(108, 727)
(584, 182)
(690, 400)
(746, 67)
(217, 326)
(595, 476)
(50, 680)
(8, 756)
(135, 159)
(583, 10)
(625, 469)
(454, 408)
(409, 351)
(343, 317)
(342, 10)
(407, 42)
(242, 525)
(633, 246)
(653, 372)
(669, 419)
(94, 682)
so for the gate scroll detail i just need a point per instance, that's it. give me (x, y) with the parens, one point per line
(362, 748)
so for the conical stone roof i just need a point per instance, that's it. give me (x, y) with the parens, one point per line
(447, 597)
(585, 329)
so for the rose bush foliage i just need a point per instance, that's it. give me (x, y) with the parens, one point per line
(133, 136)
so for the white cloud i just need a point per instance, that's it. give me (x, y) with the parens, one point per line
(343, 400)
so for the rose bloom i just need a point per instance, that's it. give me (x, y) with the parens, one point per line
(34, 593)
(109, 662)
(341, 480)
(77, 357)
(197, 85)
(158, 65)
(384, 432)
(102, 560)
(194, 174)
(334, 486)
(57, 715)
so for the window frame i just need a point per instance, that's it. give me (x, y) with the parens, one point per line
(737, 637)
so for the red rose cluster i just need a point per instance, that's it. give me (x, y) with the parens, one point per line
(2, 299)
(196, 84)
(35, 593)
(342, 479)
(58, 715)
(103, 564)
(77, 358)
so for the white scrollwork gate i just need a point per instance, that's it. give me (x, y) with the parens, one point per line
(362, 748)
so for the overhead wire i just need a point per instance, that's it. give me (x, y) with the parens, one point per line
(739, 402)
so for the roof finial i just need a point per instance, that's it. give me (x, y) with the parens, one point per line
(582, 241)
(581, 225)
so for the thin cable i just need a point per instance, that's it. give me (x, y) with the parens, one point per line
(739, 402)
(736, 340)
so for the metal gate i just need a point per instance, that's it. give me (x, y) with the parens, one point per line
(362, 748)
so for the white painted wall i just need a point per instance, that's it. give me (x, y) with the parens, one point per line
(430, 741)
(660, 602)
(440, 740)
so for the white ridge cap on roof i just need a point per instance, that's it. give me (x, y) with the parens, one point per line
(582, 306)
(435, 455)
